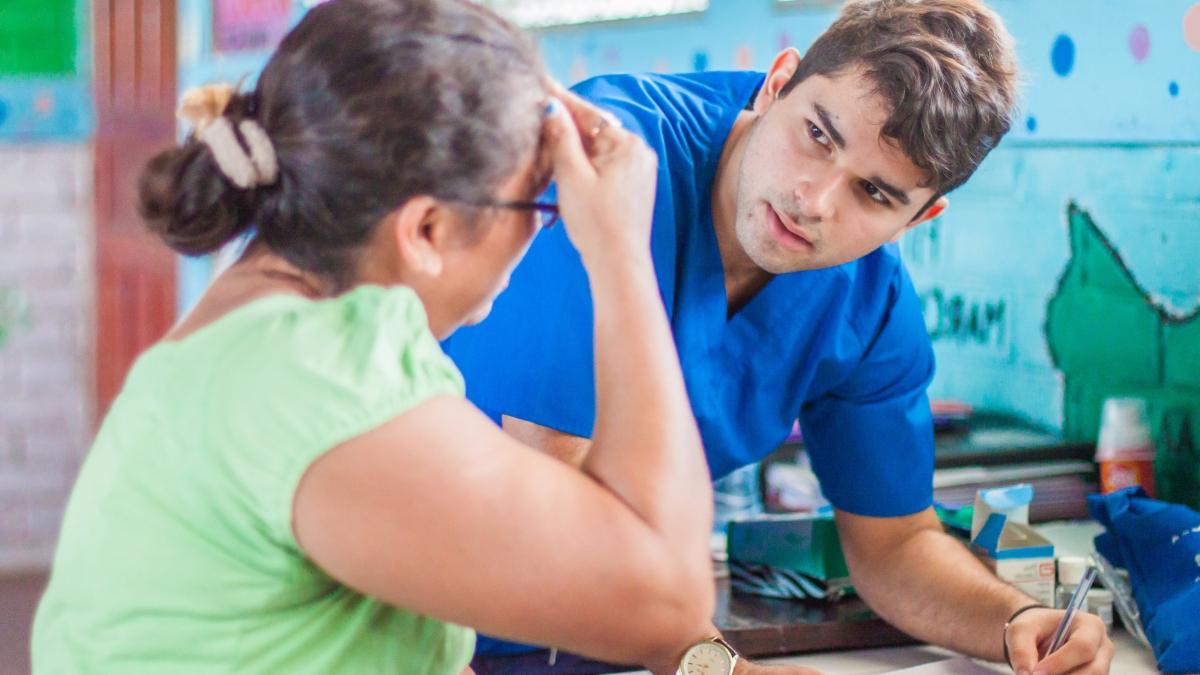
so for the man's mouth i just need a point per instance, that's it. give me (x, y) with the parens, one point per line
(786, 232)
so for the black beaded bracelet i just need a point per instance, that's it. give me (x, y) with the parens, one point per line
(1004, 635)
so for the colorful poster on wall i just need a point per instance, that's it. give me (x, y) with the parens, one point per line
(249, 25)
(37, 38)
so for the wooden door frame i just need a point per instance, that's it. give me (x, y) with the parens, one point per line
(134, 93)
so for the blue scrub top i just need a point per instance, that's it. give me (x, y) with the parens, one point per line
(843, 348)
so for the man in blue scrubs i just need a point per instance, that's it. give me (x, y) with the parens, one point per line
(777, 197)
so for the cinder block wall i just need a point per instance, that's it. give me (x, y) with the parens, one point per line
(46, 285)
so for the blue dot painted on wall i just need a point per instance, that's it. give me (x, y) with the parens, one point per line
(3, 112)
(1062, 55)
(68, 119)
(700, 62)
(1173, 89)
(1031, 123)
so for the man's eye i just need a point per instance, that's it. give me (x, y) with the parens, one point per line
(817, 135)
(874, 193)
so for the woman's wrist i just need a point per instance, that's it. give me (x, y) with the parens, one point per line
(619, 261)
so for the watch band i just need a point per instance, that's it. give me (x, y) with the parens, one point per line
(721, 641)
(1004, 634)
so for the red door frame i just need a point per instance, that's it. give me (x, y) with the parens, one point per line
(134, 96)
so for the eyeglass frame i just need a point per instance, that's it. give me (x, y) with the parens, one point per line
(544, 209)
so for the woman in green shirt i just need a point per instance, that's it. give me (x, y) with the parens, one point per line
(291, 480)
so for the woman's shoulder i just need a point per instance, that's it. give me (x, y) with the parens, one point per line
(355, 323)
(368, 339)
(295, 378)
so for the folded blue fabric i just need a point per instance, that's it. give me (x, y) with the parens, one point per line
(1159, 543)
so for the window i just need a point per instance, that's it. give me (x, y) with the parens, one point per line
(546, 13)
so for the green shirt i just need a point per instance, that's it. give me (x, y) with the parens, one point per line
(177, 553)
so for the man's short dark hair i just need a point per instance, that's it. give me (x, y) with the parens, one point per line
(947, 68)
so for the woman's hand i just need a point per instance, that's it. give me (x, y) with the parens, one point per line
(606, 180)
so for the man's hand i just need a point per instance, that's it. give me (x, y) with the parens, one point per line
(1087, 651)
(930, 586)
(745, 667)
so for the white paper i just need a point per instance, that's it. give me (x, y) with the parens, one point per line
(957, 666)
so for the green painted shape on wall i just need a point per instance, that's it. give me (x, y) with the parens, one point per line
(1182, 352)
(1109, 338)
(1099, 323)
(37, 37)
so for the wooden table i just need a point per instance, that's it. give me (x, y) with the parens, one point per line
(758, 626)
(755, 626)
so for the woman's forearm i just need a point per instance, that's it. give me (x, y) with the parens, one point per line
(646, 446)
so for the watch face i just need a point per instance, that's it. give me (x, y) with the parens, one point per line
(707, 658)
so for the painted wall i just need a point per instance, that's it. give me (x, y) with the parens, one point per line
(45, 288)
(200, 63)
(1110, 121)
(44, 95)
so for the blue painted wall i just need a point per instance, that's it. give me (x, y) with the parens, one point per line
(1110, 119)
(200, 64)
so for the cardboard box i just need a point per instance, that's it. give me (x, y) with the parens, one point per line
(1018, 555)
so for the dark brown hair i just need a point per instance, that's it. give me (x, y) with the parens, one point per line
(367, 103)
(947, 69)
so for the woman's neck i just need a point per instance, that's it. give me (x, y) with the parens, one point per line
(257, 274)
(270, 271)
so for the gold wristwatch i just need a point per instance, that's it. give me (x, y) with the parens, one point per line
(713, 656)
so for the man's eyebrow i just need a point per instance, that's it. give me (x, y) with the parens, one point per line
(900, 195)
(838, 140)
(834, 134)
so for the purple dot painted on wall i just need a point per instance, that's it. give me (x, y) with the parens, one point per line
(1031, 123)
(1173, 89)
(785, 41)
(1139, 43)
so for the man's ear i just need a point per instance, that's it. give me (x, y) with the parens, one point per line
(935, 209)
(418, 232)
(782, 68)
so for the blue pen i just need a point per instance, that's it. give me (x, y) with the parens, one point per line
(1077, 600)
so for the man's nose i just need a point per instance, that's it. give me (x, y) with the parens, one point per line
(817, 195)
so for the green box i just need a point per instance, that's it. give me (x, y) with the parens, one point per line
(798, 542)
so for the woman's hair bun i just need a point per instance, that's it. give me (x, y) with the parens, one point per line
(183, 195)
(186, 200)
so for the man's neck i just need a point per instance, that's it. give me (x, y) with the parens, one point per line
(743, 278)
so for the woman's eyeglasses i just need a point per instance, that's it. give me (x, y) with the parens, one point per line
(547, 212)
